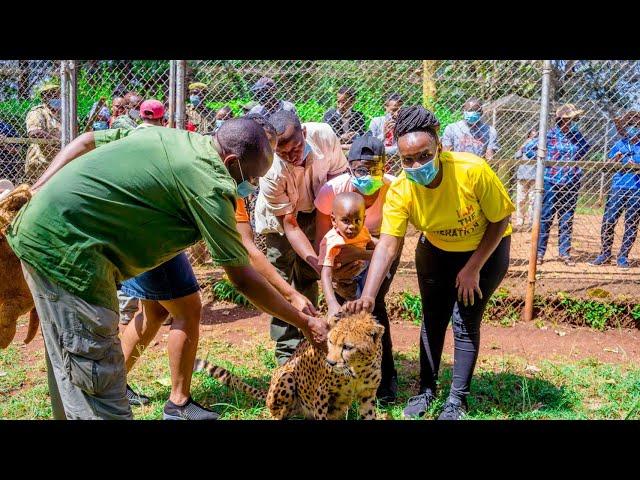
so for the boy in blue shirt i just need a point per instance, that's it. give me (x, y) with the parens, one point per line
(624, 195)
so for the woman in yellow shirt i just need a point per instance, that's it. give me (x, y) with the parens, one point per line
(463, 210)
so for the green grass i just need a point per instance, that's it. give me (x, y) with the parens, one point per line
(502, 388)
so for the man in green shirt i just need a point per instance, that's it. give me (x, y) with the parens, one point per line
(121, 210)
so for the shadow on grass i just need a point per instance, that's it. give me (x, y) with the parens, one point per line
(496, 395)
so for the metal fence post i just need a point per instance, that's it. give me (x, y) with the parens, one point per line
(65, 104)
(172, 93)
(539, 189)
(180, 93)
(73, 99)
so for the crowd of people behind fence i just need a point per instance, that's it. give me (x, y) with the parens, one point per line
(349, 206)
(565, 142)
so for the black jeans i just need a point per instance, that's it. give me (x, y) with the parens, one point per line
(437, 271)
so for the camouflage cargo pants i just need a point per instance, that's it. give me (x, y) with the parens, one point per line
(297, 272)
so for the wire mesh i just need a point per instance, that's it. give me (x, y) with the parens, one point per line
(509, 92)
(21, 103)
(591, 209)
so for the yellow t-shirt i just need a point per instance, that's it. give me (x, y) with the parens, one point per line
(453, 216)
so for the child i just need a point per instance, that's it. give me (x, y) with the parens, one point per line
(347, 218)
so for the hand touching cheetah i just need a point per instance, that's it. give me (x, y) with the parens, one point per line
(320, 386)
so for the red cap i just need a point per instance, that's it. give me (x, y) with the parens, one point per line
(151, 109)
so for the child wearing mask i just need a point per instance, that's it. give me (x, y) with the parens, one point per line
(347, 218)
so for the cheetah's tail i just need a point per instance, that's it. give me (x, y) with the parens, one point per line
(225, 377)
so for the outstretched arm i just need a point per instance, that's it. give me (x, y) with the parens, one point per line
(383, 256)
(78, 147)
(329, 295)
(256, 288)
(299, 241)
(268, 271)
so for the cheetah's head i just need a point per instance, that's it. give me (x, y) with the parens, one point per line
(353, 343)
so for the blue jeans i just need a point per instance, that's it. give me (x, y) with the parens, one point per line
(560, 198)
(620, 200)
(170, 280)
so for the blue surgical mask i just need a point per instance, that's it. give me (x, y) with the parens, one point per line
(100, 125)
(424, 174)
(55, 103)
(195, 100)
(219, 123)
(471, 117)
(633, 132)
(244, 188)
(367, 185)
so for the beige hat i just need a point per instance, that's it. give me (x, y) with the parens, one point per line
(568, 110)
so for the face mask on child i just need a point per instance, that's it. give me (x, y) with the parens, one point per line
(367, 185)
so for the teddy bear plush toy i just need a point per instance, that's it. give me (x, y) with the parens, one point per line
(15, 297)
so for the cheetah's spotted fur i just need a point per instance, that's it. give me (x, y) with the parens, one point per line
(320, 386)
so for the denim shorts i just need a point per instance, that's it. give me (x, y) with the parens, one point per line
(173, 279)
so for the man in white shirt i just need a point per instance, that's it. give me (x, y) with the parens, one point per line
(471, 134)
(307, 156)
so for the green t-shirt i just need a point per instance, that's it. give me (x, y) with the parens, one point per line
(127, 207)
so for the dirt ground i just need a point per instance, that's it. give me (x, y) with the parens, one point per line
(237, 326)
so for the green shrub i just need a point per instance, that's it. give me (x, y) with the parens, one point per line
(225, 290)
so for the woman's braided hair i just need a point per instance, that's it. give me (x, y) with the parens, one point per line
(415, 119)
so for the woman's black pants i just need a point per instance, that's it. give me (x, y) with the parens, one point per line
(437, 271)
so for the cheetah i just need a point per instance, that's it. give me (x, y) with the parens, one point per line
(15, 297)
(319, 386)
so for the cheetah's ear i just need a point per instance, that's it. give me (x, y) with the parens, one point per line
(333, 320)
(377, 331)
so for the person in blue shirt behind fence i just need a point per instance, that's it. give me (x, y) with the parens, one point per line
(561, 183)
(624, 195)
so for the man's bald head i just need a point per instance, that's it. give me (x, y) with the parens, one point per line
(133, 99)
(472, 105)
(243, 140)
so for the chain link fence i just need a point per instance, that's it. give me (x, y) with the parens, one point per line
(511, 95)
(20, 82)
(590, 211)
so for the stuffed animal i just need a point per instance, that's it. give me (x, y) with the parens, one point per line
(15, 297)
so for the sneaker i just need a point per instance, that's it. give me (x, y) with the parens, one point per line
(568, 261)
(540, 259)
(387, 394)
(623, 262)
(136, 398)
(600, 260)
(189, 411)
(417, 406)
(454, 409)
